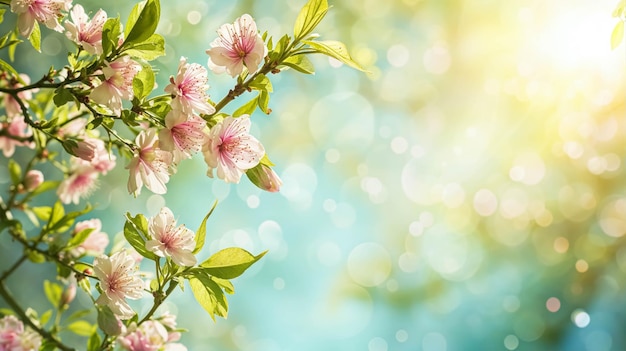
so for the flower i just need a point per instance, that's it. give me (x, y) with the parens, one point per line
(149, 336)
(169, 240)
(84, 32)
(96, 242)
(183, 135)
(13, 336)
(238, 44)
(117, 83)
(265, 178)
(44, 11)
(17, 134)
(149, 166)
(189, 88)
(118, 282)
(231, 149)
(81, 182)
(84, 149)
(33, 179)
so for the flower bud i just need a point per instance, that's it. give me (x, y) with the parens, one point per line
(33, 179)
(85, 150)
(264, 177)
(68, 295)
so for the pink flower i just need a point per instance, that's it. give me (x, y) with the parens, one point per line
(33, 179)
(13, 134)
(80, 183)
(84, 149)
(117, 84)
(13, 336)
(150, 165)
(183, 135)
(189, 89)
(118, 282)
(99, 157)
(84, 32)
(149, 336)
(96, 242)
(169, 240)
(44, 11)
(231, 149)
(238, 44)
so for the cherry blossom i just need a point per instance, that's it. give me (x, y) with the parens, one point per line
(44, 11)
(13, 336)
(118, 282)
(117, 83)
(231, 149)
(81, 182)
(189, 89)
(237, 44)
(169, 240)
(183, 135)
(149, 336)
(15, 133)
(96, 242)
(150, 165)
(84, 32)
(33, 179)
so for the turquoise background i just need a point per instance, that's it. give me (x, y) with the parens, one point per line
(465, 194)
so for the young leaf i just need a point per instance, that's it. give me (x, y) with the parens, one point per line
(110, 35)
(247, 108)
(617, 35)
(82, 328)
(229, 263)
(334, 49)
(53, 292)
(263, 101)
(93, 343)
(300, 63)
(132, 229)
(5, 66)
(15, 172)
(79, 238)
(201, 232)
(142, 22)
(209, 295)
(261, 83)
(148, 50)
(143, 82)
(35, 37)
(309, 17)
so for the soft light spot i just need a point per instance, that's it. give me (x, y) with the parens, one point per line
(332, 156)
(553, 304)
(485, 202)
(155, 203)
(279, 283)
(402, 335)
(580, 318)
(582, 266)
(377, 344)
(613, 218)
(511, 342)
(511, 303)
(329, 254)
(427, 219)
(392, 285)
(408, 262)
(561, 244)
(194, 17)
(369, 264)
(399, 145)
(528, 169)
(416, 228)
(398, 55)
(329, 205)
(343, 216)
(453, 195)
(573, 149)
(253, 201)
(437, 59)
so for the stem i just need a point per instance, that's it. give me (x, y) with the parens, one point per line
(158, 300)
(6, 295)
(13, 268)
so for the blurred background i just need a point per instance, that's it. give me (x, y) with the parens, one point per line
(465, 194)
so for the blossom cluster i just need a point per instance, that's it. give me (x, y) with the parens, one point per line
(13, 335)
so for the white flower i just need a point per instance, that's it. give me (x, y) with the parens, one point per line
(118, 282)
(169, 240)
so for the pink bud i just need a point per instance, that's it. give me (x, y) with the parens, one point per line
(85, 150)
(68, 295)
(33, 179)
(265, 178)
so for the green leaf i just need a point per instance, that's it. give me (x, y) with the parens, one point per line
(136, 232)
(2, 11)
(79, 238)
(261, 83)
(229, 263)
(224, 284)
(617, 35)
(35, 37)
(300, 63)
(45, 317)
(142, 22)
(62, 96)
(45, 186)
(35, 257)
(334, 49)
(201, 232)
(110, 35)
(53, 292)
(15, 172)
(82, 328)
(79, 314)
(148, 50)
(5, 66)
(309, 17)
(94, 341)
(209, 295)
(263, 101)
(143, 82)
(247, 108)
